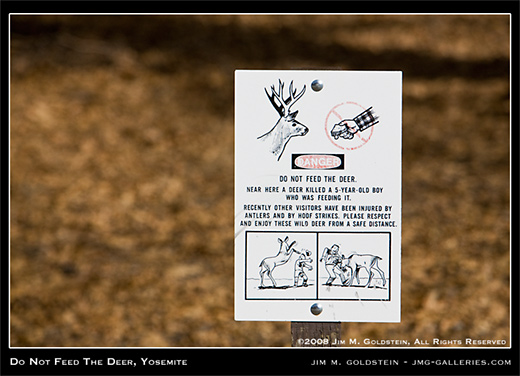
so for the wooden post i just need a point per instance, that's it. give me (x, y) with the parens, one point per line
(315, 334)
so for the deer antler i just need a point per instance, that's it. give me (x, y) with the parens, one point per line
(283, 106)
(280, 106)
(292, 99)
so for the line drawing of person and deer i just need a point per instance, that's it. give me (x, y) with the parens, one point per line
(285, 252)
(337, 265)
(287, 126)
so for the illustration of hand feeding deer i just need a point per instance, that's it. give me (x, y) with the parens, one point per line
(347, 128)
(287, 126)
(268, 264)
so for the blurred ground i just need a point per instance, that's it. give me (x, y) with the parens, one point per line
(122, 172)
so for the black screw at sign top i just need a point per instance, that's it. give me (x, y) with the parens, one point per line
(317, 85)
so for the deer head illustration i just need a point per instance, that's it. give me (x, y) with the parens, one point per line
(287, 126)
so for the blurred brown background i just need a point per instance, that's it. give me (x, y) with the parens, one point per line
(122, 172)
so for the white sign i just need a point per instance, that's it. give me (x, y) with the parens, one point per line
(318, 195)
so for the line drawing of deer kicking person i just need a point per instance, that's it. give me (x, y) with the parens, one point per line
(302, 263)
(287, 126)
(333, 259)
(268, 264)
(370, 262)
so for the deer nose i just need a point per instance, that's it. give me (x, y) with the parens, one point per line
(305, 131)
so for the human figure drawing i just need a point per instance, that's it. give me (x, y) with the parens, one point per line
(333, 261)
(303, 262)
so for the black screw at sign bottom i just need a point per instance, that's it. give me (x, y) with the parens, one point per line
(316, 309)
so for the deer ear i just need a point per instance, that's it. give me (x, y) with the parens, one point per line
(292, 115)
